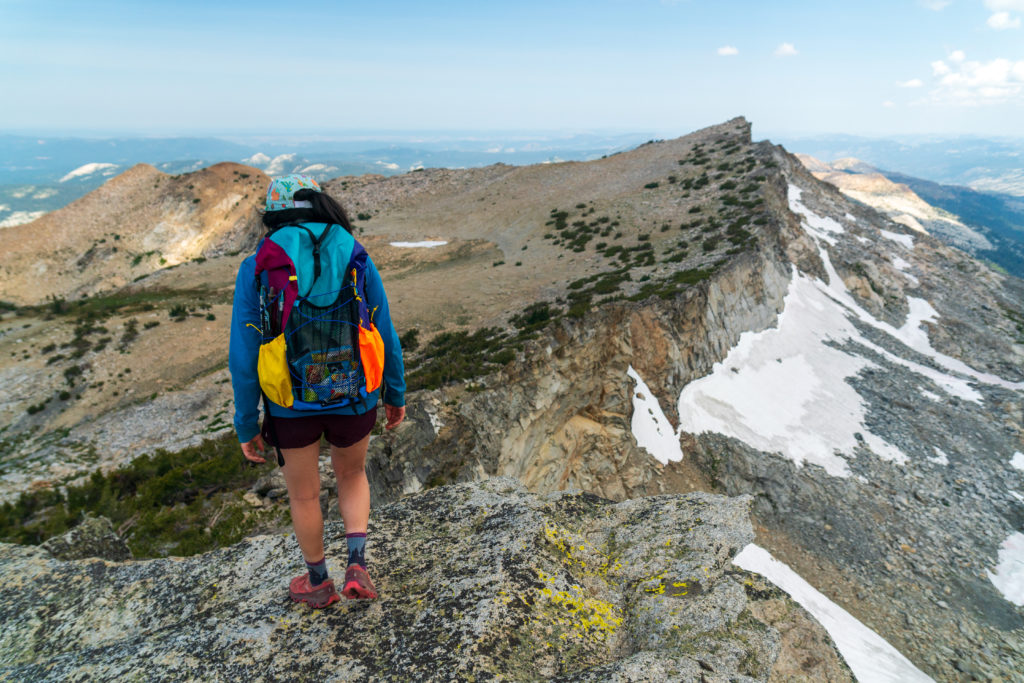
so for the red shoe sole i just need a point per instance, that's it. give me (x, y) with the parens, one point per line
(331, 599)
(353, 591)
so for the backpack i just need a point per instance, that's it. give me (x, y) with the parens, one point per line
(319, 347)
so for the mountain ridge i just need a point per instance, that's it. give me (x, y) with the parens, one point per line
(922, 347)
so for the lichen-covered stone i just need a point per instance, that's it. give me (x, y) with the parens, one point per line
(93, 537)
(480, 581)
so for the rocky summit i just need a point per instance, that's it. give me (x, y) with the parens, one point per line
(478, 582)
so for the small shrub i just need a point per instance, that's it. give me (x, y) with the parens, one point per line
(410, 339)
(651, 186)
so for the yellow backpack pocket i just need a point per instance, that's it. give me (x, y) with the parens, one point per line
(272, 367)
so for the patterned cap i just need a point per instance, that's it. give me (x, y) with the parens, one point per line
(281, 193)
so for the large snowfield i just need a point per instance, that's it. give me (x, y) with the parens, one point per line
(787, 390)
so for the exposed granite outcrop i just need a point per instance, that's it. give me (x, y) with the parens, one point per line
(93, 537)
(480, 581)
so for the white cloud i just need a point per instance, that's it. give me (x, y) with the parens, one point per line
(728, 51)
(912, 83)
(935, 5)
(957, 56)
(785, 50)
(977, 83)
(1001, 20)
(888, 104)
(1004, 5)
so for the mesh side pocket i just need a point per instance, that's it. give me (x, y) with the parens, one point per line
(323, 353)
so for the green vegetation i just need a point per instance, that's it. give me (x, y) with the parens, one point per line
(178, 312)
(162, 504)
(669, 288)
(130, 334)
(458, 356)
(1017, 318)
(410, 340)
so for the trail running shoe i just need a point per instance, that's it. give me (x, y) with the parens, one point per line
(358, 585)
(301, 590)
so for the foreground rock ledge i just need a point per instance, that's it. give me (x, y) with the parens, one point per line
(480, 581)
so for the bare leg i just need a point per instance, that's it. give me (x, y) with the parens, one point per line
(353, 488)
(302, 476)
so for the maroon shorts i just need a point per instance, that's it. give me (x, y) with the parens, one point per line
(341, 430)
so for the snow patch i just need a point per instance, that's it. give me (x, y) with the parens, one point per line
(869, 655)
(906, 240)
(257, 159)
(822, 228)
(1017, 496)
(20, 217)
(278, 165)
(413, 245)
(87, 169)
(940, 457)
(1009, 574)
(902, 266)
(651, 428)
(1017, 461)
(784, 390)
(850, 217)
(387, 165)
(318, 168)
(899, 263)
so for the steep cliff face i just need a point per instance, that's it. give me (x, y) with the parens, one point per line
(861, 381)
(480, 581)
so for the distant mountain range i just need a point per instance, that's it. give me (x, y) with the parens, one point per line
(985, 165)
(38, 175)
(986, 225)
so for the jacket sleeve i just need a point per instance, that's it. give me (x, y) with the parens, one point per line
(394, 368)
(243, 352)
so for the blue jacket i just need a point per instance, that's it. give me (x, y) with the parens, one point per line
(243, 352)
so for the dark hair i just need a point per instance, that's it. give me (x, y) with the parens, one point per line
(325, 209)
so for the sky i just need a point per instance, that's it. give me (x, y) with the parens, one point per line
(793, 68)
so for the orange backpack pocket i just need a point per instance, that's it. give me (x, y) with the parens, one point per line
(371, 355)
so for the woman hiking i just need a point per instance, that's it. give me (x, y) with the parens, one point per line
(311, 332)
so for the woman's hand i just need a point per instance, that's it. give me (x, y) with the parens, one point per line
(254, 449)
(394, 414)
